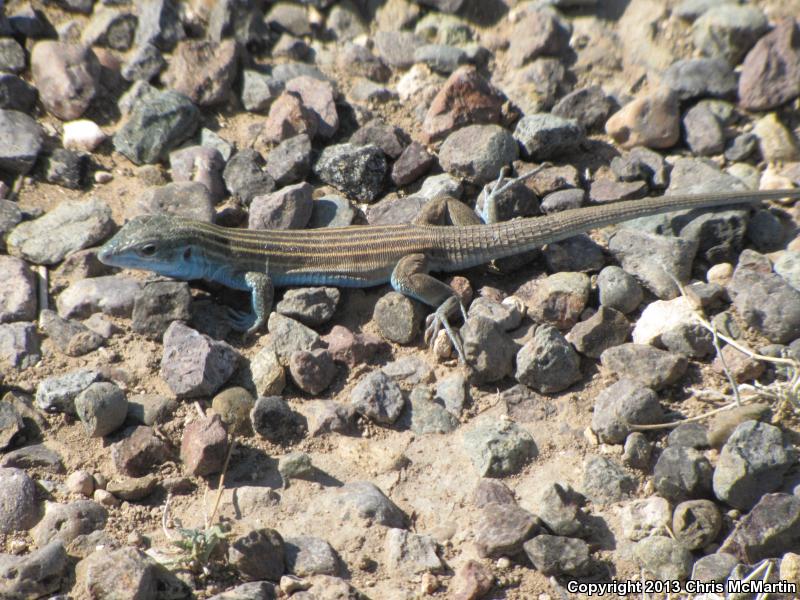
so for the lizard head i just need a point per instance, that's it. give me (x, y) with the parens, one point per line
(157, 243)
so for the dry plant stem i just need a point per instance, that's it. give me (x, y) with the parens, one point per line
(164, 514)
(673, 424)
(221, 485)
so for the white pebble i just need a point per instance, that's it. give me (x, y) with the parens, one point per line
(82, 135)
(103, 177)
(81, 482)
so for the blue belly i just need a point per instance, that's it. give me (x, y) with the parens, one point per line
(336, 280)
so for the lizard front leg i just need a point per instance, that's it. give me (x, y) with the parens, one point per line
(410, 278)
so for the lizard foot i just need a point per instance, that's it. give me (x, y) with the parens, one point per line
(439, 319)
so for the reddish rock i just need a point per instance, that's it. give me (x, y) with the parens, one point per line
(741, 366)
(312, 371)
(414, 162)
(204, 445)
(465, 99)
(352, 348)
(318, 97)
(288, 117)
(139, 453)
(203, 70)
(66, 76)
(771, 70)
(539, 33)
(472, 581)
(652, 121)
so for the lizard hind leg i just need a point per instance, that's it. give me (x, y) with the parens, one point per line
(446, 210)
(410, 277)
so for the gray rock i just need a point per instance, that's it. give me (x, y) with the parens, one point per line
(57, 394)
(69, 227)
(193, 364)
(392, 140)
(10, 217)
(16, 94)
(689, 435)
(787, 265)
(622, 404)
(538, 33)
(605, 481)
(696, 523)
(606, 190)
(579, 253)
(664, 558)
(65, 522)
(742, 147)
(411, 553)
(259, 90)
(526, 406)
(200, 164)
(682, 473)
(111, 28)
(559, 508)
(159, 304)
(547, 362)
(19, 506)
(487, 349)
(645, 517)
(770, 529)
(258, 555)
(728, 31)
(441, 58)
(34, 575)
(645, 364)
(18, 296)
(714, 567)
(556, 555)
(394, 210)
(770, 70)
(312, 306)
(66, 168)
(254, 590)
(126, 572)
(563, 200)
(654, 259)
(559, 299)
(589, 106)
(246, 177)
(701, 77)
(273, 420)
(102, 408)
(67, 77)
(331, 211)
(704, 134)
(753, 462)
(444, 184)
(428, 417)
(112, 295)
(290, 161)
(396, 48)
(606, 328)
(158, 124)
(287, 208)
(544, 136)
(507, 316)
(296, 465)
(12, 56)
(765, 231)
(502, 529)
(453, 393)
(409, 370)
(37, 456)
(765, 300)
(11, 425)
(358, 171)
(398, 317)
(515, 200)
(307, 555)
(492, 491)
(362, 500)
(637, 451)
(498, 448)
(159, 24)
(478, 152)
(188, 199)
(19, 345)
(144, 64)
(288, 336)
(378, 398)
(690, 339)
(618, 289)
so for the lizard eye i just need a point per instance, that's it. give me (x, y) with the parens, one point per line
(148, 250)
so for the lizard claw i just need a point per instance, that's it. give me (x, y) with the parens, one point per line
(438, 320)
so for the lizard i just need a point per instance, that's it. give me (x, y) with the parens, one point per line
(447, 236)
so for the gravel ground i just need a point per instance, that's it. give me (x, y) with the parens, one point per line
(148, 451)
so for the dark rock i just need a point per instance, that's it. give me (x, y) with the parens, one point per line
(273, 420)
(398, 317)
(589, 106)
(246, 177)
(413, 163)
(538, 33)
(696, 523)
(22, 137)
(682, 473)
(125, 571)
(664, 558)
(689, 435)
(65, 522)
(66, 77)
(102, 408)
(605, 481)
(547, 362)
(487, 349)
(158, 305)
(140, 452)
(159, 24)
(378, 398)
(544, 136)
(770, 529)
(701, 77)
(556, 555)
(307, 555)
(623, 404)
(258, 555)
(771, 70)
(478, 152)
(15, 93)
(34, 575)
(498, 449)
(358, 171)
(502, 529)
(203, 70)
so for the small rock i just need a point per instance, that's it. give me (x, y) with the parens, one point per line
(770, 529)
(538, 33)
(605, 481)
(331, 211)
(159, 24)
(150, 409)
(378, 398)
(187, 199)
(652, 121)
(682, 473)
(139, 452)
(413, 163)
(312, 306)
(547, 362)
(589, 106)
(645, 517)
(771, 69)
(193, 364)
(18, 296)
(689, 435)
(35, 575)
(102, 408)
(287, 208)
(307, 555)
(649, 366)
(57, 394)
(502, 529)
(317, 96)
(290, 161)
(398, 317)
(125, 571)
(37, 456)
(312, 371)
(19, 507)
(288, 336)
(158, 305)
(203, 70)
(776, 142)
(487, 349)
(728, 31)
(704, 134)
(19, 345)
(618, 289)
(204, 445)
(268, 373)
(696, 523)
(701, 77)
(296, 465)
(740, 365)
(471, 581)
(246, 177)
(664, 558)
(478, 152)
(559, 508)
(714, 567)
(273, 420)
(258, 555)
(358, 171)
(543, 136)
(66, 77)
(556, 555)
(411, 554)
(132, 489)
(558, 299)
(289, 117)
(606, 328)
(65, 522)
(623, 404)
(498, 449)
(200, 164)
(637, 451)
(492, 491)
